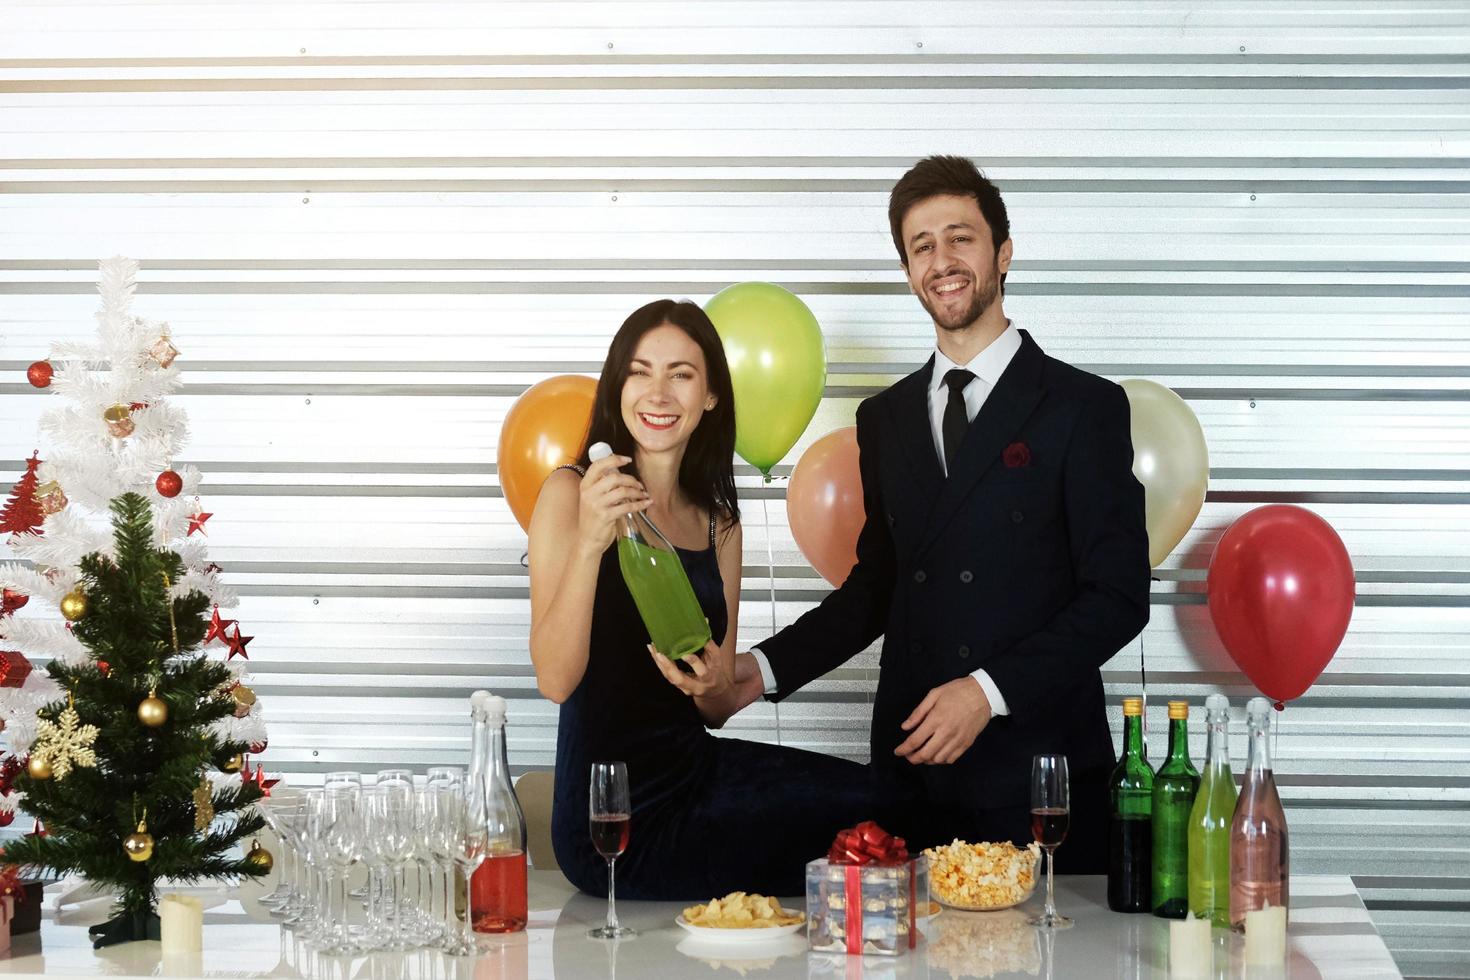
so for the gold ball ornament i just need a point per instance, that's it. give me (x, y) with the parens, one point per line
(259, 857)
(139, 844)
(233, 764)
(38, 768)
(74, 605)
(152, 711)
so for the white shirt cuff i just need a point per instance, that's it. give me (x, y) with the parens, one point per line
(992, 693)
(768, 679)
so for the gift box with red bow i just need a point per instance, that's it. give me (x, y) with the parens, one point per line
(866, 895)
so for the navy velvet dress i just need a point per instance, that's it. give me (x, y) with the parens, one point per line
(710, 815)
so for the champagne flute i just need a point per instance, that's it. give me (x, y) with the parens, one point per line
(1050, 811)
(609, 814)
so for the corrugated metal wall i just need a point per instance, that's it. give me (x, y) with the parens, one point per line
(374, 224)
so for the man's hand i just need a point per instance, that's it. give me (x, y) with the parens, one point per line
(945, 723)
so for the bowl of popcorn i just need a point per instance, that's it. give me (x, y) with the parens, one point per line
(740, 917)
(983, 877)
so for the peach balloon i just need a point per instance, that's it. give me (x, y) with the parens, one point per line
(824, 504)
(544, 429)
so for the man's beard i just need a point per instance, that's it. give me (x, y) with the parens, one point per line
(986, 292)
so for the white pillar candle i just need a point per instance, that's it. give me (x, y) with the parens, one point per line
(1265, 936)
(181, 924)
(1190, 951)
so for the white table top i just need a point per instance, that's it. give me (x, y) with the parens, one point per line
(1330, 936)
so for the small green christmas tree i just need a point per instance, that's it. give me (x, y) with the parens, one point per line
(118, 800)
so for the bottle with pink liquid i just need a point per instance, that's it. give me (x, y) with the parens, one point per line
(1259, 862)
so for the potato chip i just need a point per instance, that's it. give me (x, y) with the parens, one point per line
(739, 910)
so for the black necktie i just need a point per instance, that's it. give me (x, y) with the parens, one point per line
(956, 420)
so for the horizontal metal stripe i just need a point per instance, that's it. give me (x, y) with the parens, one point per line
(779, 473)
(1415, 905)
(1343, 290)
(719, 185)
(1356, 266)
(653, 83)
(1387, 498)
(1387, 59)
(900, 368)
(1424, 882)
(898, 164)
(308, 388)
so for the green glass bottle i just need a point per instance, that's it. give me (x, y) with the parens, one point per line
(1209, 821)
(1130, 794)
(1175, 786)
(656, 579)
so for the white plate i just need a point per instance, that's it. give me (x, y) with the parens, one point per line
(766, 934)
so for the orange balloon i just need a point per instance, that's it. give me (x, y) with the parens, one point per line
(824, 504)
(544, 429)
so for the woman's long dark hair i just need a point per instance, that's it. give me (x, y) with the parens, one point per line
(707, 472)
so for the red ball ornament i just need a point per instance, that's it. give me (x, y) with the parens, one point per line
(104, 668)
(7, 817)
(39, 374)
(169, 483)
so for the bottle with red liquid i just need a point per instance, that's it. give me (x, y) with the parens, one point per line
(498, 887)
(1259, 856)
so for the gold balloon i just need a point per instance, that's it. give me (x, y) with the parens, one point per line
(233, 764)
(139, 844)
(259, 857)
(152, 711)
(74, 605)
(1170, 459)
(38, 768)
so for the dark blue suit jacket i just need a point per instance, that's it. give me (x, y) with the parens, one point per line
(1036, 571)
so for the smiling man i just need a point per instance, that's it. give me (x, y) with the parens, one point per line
(1004, 557)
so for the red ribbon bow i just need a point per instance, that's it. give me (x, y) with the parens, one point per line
(867, 843)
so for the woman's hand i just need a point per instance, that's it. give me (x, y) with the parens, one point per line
(708, 680)
(606, 495)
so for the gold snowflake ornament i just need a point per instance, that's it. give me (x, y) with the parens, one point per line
(65, 744)
(203, 803)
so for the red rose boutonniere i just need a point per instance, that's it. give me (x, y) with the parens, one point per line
(1016, 454)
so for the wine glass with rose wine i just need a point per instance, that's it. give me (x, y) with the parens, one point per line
(1050, 811)
(609, 814)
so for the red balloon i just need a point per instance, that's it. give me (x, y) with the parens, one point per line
(824, 504)
(1281, 595)
(544, 429)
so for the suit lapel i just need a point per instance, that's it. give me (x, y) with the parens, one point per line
(915, 434)
(1006, 409)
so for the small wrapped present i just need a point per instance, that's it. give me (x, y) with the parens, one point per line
(23, 898)
(866, 894)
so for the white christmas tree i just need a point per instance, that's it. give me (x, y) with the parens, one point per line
(116, 434)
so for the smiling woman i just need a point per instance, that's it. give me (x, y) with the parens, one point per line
(664, 404)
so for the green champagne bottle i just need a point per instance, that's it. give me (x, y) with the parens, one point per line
(1175, 785)
(656, 579)
(1209, 822)
(1130, 823)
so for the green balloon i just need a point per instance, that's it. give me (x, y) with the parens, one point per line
(778, 366)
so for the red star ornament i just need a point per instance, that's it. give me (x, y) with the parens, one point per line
(217, 628)
(263, 784)
(196, 523)
(236, 644)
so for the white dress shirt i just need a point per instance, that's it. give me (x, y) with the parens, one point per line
(987, 366)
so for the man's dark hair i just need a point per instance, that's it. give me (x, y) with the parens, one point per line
(946, 175)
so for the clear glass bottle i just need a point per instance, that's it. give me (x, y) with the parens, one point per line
(1259, 852)
(1130, 825)
(655, 576)
(1209, 821)
(498, 886)
(1175, 786)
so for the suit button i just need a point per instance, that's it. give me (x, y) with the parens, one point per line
(916, 648)
(964, 652)
(919, 576)
(967, 576)
(1017, 517)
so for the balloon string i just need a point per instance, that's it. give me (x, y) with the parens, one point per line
(1143, 683)
(771, 563)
